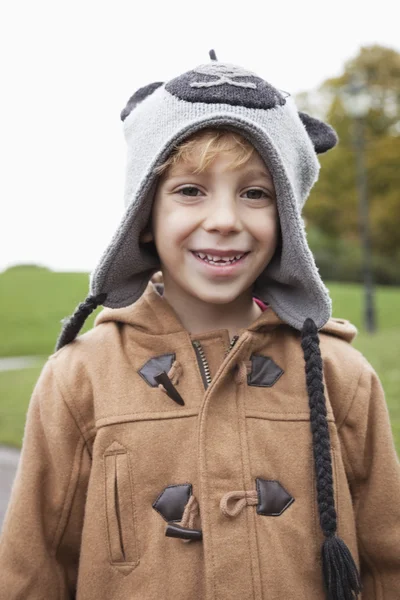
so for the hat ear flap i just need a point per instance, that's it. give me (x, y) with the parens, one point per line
(322, 135)
(138, 97)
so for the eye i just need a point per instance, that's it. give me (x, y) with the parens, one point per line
(257, 194)
(189, 190)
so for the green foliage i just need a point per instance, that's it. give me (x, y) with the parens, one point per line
(333, 206)
(379, 68)
(24, 267)
(341, 259)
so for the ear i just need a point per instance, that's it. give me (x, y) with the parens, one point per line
(138, 97)
(146, 236)
(322, 135)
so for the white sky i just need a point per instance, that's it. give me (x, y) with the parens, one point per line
(68, 68)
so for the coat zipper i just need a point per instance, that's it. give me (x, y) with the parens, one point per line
(203, 364)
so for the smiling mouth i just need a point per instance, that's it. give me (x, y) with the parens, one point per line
(222, 262)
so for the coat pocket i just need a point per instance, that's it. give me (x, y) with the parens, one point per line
(120, 514)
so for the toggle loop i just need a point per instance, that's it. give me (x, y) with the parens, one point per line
(233, 503)
(190, 513)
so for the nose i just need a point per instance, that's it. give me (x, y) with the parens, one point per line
(223, 215)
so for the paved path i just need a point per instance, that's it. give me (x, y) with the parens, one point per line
(14, 363)
(8, 465)
(9, 456)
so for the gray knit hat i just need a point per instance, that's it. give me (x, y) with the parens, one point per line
(217, 95)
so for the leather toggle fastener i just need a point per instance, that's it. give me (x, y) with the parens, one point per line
(177, 503)
(270, 498)
(169, 387)
(184, 533)
(185, 530)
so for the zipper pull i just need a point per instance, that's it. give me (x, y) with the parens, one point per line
(233, 342)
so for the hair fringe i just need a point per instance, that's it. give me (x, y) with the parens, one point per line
(211, 142)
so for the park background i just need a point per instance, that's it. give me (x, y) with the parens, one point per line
(71, 69)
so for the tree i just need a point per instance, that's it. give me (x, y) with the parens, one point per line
(333, 205)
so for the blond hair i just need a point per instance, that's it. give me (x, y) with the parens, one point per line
(211, 143)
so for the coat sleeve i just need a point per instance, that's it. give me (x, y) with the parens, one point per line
(39, 549)
(367, 441)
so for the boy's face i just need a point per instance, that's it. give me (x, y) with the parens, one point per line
(219, 209)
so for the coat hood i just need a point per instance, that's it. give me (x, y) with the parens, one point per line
(154, 317)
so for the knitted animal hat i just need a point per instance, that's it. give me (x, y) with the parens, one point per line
(156, 119)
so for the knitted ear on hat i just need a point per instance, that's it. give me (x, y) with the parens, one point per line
(138, 97)
(322, 135)
(342, 580)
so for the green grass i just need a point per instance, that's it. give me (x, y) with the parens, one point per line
(33, 301)
(348, 303)
(383, 352)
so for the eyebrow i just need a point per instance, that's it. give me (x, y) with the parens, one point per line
(251, 173)
(258, 173)
(181, 172)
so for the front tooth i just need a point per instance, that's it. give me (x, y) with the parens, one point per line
(219, 258)
(209, 257)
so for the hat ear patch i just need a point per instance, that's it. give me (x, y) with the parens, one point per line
(322, 135)
(138, 97)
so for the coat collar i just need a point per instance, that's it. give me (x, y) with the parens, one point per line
(153, 315)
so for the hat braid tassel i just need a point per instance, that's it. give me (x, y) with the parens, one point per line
(73, 324)
(341, 577)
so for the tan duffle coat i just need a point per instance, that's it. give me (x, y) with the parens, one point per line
(113, 459)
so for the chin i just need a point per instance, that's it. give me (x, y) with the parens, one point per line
(217, 296)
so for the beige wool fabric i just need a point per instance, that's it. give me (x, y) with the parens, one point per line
(100, 445)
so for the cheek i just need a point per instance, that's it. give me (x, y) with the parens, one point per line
(265, 228)
(171, 225)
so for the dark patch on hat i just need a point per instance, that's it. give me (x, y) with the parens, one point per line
(221, 83)
(138, 97)
(322, 135)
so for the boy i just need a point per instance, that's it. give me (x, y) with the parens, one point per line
(193, 444)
